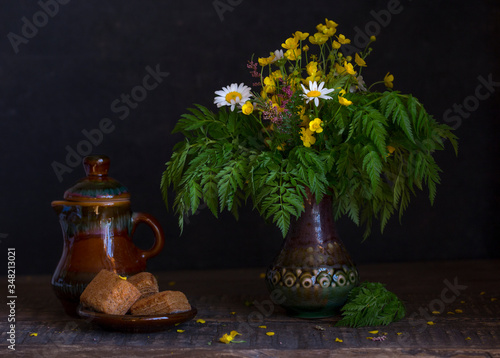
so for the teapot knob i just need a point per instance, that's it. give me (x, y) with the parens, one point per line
(96, 165)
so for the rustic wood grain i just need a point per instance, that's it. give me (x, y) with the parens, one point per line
(237, 300)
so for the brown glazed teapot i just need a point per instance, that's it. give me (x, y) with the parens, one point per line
(98, 225)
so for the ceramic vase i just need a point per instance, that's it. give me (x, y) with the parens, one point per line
(313, 273)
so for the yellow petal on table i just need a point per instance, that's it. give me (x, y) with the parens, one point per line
(226, 338)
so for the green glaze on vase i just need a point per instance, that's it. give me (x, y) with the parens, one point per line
(313, 273)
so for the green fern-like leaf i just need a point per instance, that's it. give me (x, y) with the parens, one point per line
(371, 304)
(372, 164)
(392, 107)
(374, 127)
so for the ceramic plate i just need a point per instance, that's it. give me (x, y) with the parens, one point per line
(135, 324)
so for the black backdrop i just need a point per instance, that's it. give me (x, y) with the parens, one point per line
(64, 66)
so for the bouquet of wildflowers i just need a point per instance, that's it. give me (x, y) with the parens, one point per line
(309, 126)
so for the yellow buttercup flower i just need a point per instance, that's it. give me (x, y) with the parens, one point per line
(321, 27)
(305, 120)
(312, 78)
(325, 30)
(290, 43)
(312, 67)
(275, 104)
(315, 125)
(388, 80)
(390, 150)
(247, 108)
(339, 69)
(264, 61)
(318, 39)
(359, 61)
(348, 67)
(307, 137)
(343, 40)
(305, 48)
(276, 74)
(269, 85)
(344, 101)
(293, 54)
(373, 38)
(336, 45)
(298, 35)
(330, 23)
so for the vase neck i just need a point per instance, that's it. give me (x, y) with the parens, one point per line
(315, 225)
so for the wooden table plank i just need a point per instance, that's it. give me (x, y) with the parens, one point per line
(237, 300)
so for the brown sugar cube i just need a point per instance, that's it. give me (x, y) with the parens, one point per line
(110, 294)
(145, 282)
(164, 302)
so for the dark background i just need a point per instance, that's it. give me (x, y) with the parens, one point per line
(89, 53)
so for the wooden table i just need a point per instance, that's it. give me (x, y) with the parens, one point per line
(237, 300)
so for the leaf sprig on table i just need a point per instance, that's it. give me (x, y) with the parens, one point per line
(371, 304)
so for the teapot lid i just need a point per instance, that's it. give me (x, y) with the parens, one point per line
(97, 185)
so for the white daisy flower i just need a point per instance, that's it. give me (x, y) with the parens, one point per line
(278, 55)
(232, 95)
(360, 86)
(316, 92)
(361, 83)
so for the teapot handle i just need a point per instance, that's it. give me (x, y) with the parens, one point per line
(157, 230)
